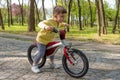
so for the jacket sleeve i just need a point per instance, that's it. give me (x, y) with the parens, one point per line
(42, 25)
(62, 24)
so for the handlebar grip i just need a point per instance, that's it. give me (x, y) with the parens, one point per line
(55, 30)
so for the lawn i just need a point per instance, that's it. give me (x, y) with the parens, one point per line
(75, 34)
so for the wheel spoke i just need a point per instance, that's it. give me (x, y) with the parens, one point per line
(78, 63)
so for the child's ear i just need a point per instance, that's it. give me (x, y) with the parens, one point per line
(55, 15)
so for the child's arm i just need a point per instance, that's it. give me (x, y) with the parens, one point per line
(42, 25)
(65, 25)
(45, 27)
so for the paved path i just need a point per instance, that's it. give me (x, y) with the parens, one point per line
(104, 61)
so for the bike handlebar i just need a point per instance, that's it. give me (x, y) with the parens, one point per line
(56, 30)
(62, 36)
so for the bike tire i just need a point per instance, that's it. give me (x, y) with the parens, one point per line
(30, 59)
(85, 63)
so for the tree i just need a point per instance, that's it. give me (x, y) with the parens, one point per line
(37, 12)
(31, 23)
(116, 17)
(84, 13)
(11, 20)
(90, 8)
(69, 10)
(98, 17)
(44, 15)
(21, 10)
(8, 7)
(79, 13)
(1, 21)
(104, 30)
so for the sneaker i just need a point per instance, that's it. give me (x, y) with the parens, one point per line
(54, 66)
(35, 69)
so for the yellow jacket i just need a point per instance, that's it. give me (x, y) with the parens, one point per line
(44, 36)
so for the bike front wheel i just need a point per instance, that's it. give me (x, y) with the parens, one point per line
(80, 63)
(31, 53)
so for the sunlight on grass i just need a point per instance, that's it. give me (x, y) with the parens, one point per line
(15, 29)
(111, 38)
(91, 34)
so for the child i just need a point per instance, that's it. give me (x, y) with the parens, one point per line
(46, 35)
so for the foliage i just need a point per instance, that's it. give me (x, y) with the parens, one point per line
(110, 12)
(4, 13)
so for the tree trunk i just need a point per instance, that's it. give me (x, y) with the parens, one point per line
(8, 8)
(104, 30)
(69, 10)
(31, 23)
(98, 17)
(83, 14)
(1, 21)
(22, 14)
(91, 21)
(37, 12)
(21, 9)
(44, 15)
(79, 13)
(118, 23)
(11, 14)
(116, 17)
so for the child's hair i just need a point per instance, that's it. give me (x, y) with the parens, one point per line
(59, 10)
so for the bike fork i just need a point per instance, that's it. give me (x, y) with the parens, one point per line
(68, 56)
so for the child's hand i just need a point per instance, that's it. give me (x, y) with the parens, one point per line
(67, 25)
(49, 28)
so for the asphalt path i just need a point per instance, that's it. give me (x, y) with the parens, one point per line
(104, 60)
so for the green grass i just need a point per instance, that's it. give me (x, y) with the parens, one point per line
(17, 29)
(83, 35)
(91, 34)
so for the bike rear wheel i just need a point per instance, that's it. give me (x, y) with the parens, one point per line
(31, 53)
(81, 65)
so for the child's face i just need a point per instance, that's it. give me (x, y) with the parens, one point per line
(60, 17)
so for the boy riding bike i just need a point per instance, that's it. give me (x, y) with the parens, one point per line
(46, 35)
